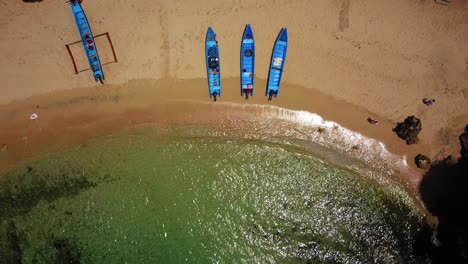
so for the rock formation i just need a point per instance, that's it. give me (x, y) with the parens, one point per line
(450, 161)
(464, 144)
(409, 129)
(444, 193)
(422, 161)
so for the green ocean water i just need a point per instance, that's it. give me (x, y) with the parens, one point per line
(153, 195)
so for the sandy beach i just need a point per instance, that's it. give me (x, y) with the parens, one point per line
(347, 60)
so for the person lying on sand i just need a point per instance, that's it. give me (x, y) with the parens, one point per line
(372, 121)
(428, 102)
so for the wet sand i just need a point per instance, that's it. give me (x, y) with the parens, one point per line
(70, 117)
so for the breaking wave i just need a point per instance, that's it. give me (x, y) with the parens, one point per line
(310, 131)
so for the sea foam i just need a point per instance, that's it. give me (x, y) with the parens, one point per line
(312, 127)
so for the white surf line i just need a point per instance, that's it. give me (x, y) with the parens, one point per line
(345, 137)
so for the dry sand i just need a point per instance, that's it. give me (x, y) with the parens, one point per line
(347, 60)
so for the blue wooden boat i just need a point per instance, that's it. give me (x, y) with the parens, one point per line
(277, 64)
(247, 62)
(212, 64)
(87, 39)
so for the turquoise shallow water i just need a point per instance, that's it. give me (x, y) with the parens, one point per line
(179, 195)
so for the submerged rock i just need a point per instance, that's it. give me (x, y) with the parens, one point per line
(409, 129)
(423, 162)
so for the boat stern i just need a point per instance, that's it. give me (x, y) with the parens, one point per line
(272, 92)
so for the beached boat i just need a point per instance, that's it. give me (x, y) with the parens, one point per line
(247, 62)
(87, 39)
(212, 64)
(277, 64)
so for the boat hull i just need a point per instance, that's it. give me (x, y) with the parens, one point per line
(87, 40)
(212, 64)
(247, 62)
(278, 60)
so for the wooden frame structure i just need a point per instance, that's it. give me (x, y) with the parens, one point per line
(442, 2)
(67, 46)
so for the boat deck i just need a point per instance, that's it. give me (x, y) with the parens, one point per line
(87, 40)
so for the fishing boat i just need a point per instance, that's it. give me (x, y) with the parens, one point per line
(277, 64)
(212, 64)
(247, 62)
(87, 40)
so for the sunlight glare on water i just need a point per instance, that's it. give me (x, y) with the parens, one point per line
(170, 197)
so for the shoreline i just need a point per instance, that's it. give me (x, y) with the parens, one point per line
(382, 56)
(70, 117)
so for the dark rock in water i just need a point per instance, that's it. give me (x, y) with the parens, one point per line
(409, 129)
(422, 161)
(10, 250)
(450, 161)
(464, 143)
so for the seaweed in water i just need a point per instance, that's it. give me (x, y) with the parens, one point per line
(10, 250)
(58, 250)
(21, 193)
(67, 252)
